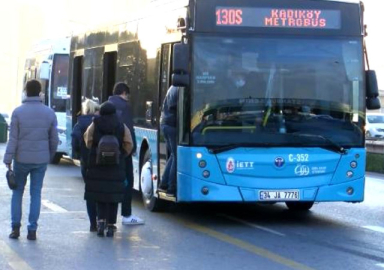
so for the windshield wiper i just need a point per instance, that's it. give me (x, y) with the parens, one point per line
(333, 145)
(224, 148)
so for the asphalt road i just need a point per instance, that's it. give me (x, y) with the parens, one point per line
(201, 236)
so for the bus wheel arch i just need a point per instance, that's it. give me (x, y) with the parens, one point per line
(151, 202)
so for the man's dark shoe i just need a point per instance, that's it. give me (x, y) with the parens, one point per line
(110, 231)
(100, 228)
(15, 233)
(31, 235)
(93, 228)
(113, 226)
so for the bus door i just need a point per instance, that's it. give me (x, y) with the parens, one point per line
(109, 74)
(77, 80)
(165, 82)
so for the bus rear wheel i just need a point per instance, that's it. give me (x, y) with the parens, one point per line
(299, 206)
(151, 202)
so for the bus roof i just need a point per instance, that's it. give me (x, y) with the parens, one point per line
(51, 46)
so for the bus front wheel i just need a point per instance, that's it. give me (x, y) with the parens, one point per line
(299, 206)
(150, 201)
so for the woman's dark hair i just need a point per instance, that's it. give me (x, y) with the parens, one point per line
(33, 88)
(120, 88)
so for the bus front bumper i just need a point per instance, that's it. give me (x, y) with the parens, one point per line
(196, 190)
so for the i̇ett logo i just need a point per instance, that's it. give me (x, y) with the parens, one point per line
(230, 165)
(279, 162)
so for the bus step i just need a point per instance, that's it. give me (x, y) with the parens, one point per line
(163, 196)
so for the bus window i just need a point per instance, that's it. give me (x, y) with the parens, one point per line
(59, 82)
(109, 74)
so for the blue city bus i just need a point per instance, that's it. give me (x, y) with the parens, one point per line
(272, 97)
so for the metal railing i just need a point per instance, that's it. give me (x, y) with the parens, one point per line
(375, 145)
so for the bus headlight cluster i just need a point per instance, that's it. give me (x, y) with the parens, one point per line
(353, 164)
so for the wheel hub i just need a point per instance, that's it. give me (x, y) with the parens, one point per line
(146, 180)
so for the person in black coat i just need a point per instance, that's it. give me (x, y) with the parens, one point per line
(168, 125)
(124, 112)
(105, 184)
(89, 111)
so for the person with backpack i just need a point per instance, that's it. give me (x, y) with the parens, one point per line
(109, 142)
(90, 110)
(124, 112)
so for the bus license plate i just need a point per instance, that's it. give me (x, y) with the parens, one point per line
(279, 195)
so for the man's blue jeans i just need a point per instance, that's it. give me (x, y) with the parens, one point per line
(37, 173)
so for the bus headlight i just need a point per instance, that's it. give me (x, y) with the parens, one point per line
(353, 164)
(206, 174)
(205, 191)
(350, 190)
(202, 163)
(349, 174)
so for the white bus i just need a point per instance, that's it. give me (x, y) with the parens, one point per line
(48, 63)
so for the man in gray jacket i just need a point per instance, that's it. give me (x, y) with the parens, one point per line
(33, 141)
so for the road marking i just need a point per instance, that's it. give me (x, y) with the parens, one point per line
(252, 225)
(67, 212)
(375, 228)
(14, 260)
(81, 232)
(247, 246)
(53, 207)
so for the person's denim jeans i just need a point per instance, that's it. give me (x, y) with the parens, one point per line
(126, 205)
(169, 177)
(37, 173)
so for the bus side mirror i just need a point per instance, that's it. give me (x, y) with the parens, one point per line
(180, 71)
(372, 90)
(44, 71)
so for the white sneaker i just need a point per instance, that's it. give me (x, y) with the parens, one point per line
(132, 220)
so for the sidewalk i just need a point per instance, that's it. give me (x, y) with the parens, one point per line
(375, 175)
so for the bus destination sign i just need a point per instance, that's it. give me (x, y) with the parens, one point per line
(278, 17)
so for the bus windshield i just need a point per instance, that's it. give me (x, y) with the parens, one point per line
(269, 91)
(59, 84)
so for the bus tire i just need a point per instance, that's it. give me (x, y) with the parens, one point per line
(56, 159)
(151, 202)
(299, 206)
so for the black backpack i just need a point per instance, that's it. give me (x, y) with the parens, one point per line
(108, 151)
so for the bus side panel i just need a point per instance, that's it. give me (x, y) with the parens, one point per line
(144, 136)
